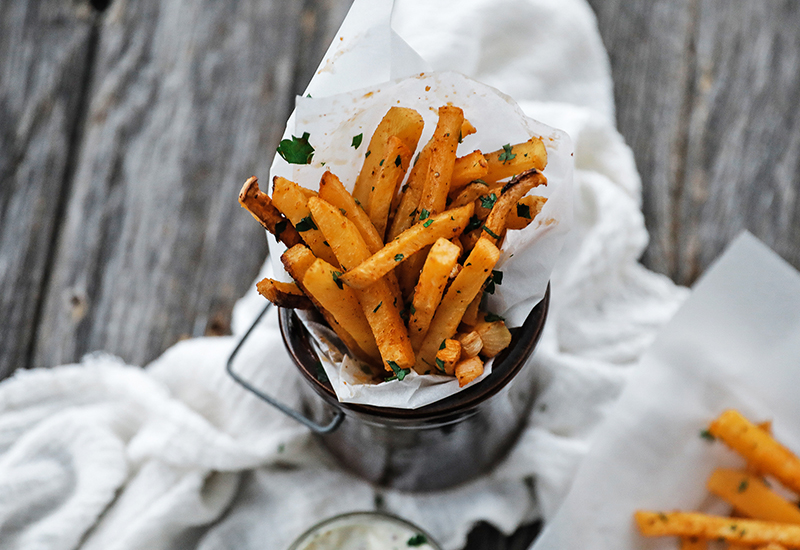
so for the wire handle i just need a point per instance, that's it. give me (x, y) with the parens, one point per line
(285, 409)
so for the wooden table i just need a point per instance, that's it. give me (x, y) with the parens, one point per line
(127, 130)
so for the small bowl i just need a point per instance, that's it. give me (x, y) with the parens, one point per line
(438, 445)
(380, 529)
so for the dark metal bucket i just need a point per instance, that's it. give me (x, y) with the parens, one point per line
(433, 447)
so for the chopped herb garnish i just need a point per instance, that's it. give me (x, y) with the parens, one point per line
(357, 141)
(398, 372)
(343, 211)
(460, 136)
(365, 369)
(411, 309)
(490, 232)
(326, 243)
(381, 162)
(377, 307)
(428, 223)
(424, 214)
(296, 150)
(705, 434)
(474, 223)
(481, 182)
(306, 224)
(439, 364)
(308, 95)
(417, 540)
(491, 318)
(416, 159)
(398, 257)
(397, 161)
(322, 376)
(523, 211)
(443, 344)
(280, 227)
(743, 486)
(506, 155)
(336, 275)
(497, 276)
(367, 154)
(488, 201)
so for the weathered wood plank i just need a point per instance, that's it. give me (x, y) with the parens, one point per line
(189, 98)
(44, 54)
(651, 51)
(743, 150)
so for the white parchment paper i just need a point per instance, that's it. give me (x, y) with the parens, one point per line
(342, 101)
(734, 344)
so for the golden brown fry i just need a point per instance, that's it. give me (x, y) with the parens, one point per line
(468, 370)
(407, 211)
(320, 280)
(527, 209)
(289, 199)
(471, 343)
(297, 261)
(442, 160)
(404, 123)
(468, 168)
(750, 495)
(494, 335)
(260, 206)
(445, 225)
(471, 193)
(737, 530)
(462, 291)
(377, 301)
(471, 315)
(511, 160)
(282, 294)
(758, 448)
(447, 357)
(442, 258)
(391, 171)
(513, 191)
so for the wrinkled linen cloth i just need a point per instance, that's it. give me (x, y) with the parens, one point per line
(103, 455)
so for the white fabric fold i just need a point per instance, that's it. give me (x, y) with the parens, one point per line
(177, 455)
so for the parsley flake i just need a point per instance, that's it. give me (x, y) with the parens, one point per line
(488, 201)
(377, 307)
(398, 257)
(280, 227)
(306, 224)
(381, 162)
(367, 154)
(474, 223)
(439, 364)
(742, 486)
(490, 232)
(322, 376)
(428, 223)
(417, 540)
(443, 344)
(523, 211)
(339, 283)
(424, 214)
(397, 161)
(491, 318)
(398, 372)
(506, 155)
(481, 182)
(705, 434)
(296, 150)
(357, 141)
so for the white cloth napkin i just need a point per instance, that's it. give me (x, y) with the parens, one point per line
(176, 455)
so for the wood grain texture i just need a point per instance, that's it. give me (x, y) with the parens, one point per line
(706, 95)
(188, 99)
(44, 54)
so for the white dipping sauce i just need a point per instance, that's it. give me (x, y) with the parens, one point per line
(364, 531)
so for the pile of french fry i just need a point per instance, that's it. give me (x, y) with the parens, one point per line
(762, 517)
(399, 266)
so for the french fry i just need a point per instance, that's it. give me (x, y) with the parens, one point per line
(511, 160)
(461, 292)
(471, 314)
(471, 193)
(736, 530)
(282, 294)
(407, 210)
(442, 160)
(447, 356)
(377, 301)
(468, 168)
(430, 288)
(293, 203)
(751, 496)
(758, 448)
(527, 209)
(494, 335)
(297, 261)
(513, 191)
(260, 206)
(446, 225)
(471, 343)
(391, 170)
(320, 280)
(468, 370)
(404, 123)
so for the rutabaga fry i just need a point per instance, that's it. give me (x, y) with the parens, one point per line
(283, 294)
(750, 495)
(515, 159)
(468, 168)
(391, 171)
(446, 225)
(260, 206)
(513, 191)
(377, 301)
